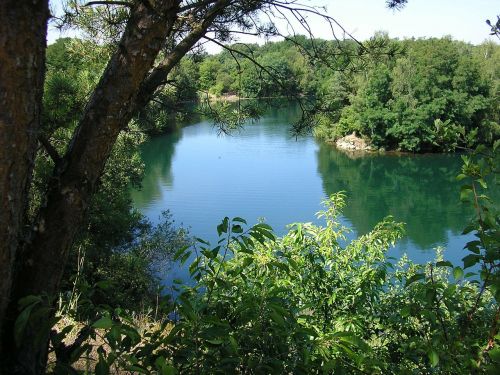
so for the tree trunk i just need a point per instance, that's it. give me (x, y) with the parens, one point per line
(159, 75)
(127, 84)
(23, 29)
(40, 264)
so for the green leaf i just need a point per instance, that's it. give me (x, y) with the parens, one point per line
(355, 341)
(78, 352)
(433, 357)
(215, 341)
(104, 284)
(482, 183)
(405, 311)
(233, 343)
(222, 227)
(473, 246)
(244, 247)
(208, 254)
(22, 321)
(202, 241)
(465, 193)
(181, 251)
(237, 229)
(239, 220)
(489, 220)
(329, 366)
(458, 273)
(215, 251)
(416, 277)
(168, 370)
(470, 260)
(247, 261)
(28, 300)
(101, 368)
(104, 323)
(267, 233)
(64, 332)
(469, 228)
(185, 257)
(263, 226)
(430, 295)
(194, 266)
(494, 354)
(277, 318)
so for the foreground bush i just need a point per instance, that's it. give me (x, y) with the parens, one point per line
(303, 303)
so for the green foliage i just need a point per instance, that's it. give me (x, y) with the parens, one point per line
(412, 95)
(228, 117)
(479, 170)
(426, 98)
(310, 303)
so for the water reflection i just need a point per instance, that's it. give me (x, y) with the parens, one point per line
(419, 190)
(157, 155)
(263, 172)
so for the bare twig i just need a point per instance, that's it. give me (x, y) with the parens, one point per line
(196, 4)
(109, 2)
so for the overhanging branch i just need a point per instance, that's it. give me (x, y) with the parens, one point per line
(51, 151)
(159, 75)
(109, 2)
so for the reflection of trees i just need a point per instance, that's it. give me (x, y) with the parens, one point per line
(157, 155)
(280, 110)
(419, 190)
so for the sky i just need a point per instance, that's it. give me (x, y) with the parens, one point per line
(462, 19)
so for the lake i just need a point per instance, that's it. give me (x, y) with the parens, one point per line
(262, 172)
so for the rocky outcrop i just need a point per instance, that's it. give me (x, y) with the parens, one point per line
(352, 142)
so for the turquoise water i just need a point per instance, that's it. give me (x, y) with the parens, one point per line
(264, 172)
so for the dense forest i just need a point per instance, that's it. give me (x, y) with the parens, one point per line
(422, 95)
(408, 95)
(81, 269)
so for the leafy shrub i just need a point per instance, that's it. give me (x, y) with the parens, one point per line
(308, 303)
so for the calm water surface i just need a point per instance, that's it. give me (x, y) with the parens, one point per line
(262, 172)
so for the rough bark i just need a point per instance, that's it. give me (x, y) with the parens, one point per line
(23, 29)
(159, 75)
(40, 265)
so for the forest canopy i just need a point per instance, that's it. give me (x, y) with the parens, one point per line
(415, 95)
